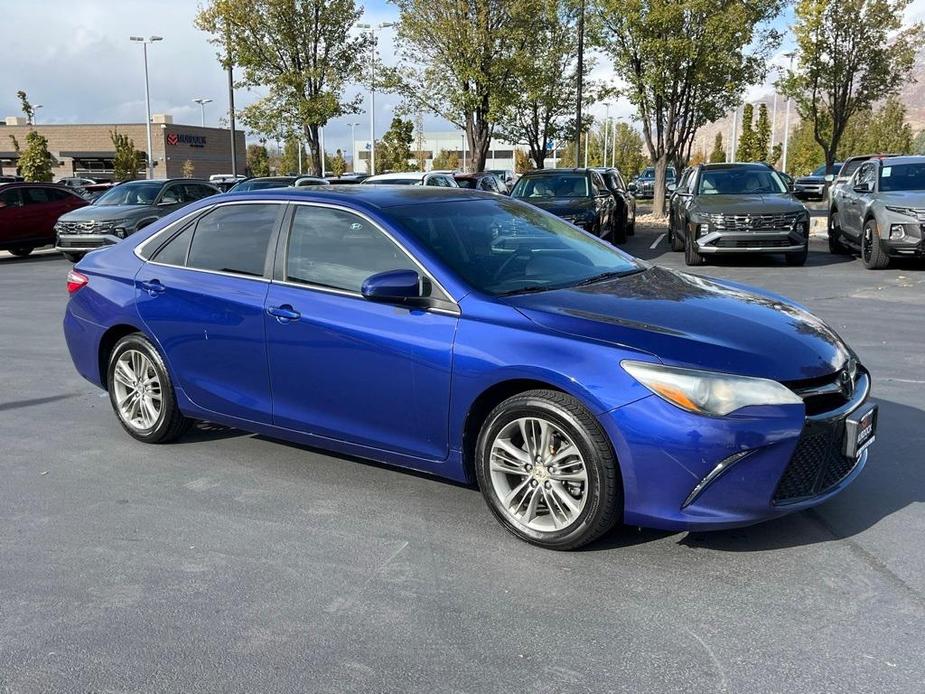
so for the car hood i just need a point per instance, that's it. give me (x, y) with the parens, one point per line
(103, 213)
(686, 320)
(903, 198)
(747, 204)
(561, 206)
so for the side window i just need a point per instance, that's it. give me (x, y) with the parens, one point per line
(234, 238)
(597, 183)
(175, 250)
(58, 195)
(11, 198)
(36, 196)
(868, 174)
(433, 181)
(338, 249)
(196, 191)
(171, 196)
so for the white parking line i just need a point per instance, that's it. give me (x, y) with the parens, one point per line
(658, 240)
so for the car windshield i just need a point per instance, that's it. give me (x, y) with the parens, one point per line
(396, 181)
(261, 184)
(552, 186)
(505, 247)
(902, 177)
(740, 182)
(466, 182)
(137, 193)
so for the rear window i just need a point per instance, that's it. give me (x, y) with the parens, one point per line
(552, 186)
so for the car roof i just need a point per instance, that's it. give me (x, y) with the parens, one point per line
(369, 197)
(905, 159)
(737, 165)
(547, 172)
(473, 174)
(30, 184)
(398, 175)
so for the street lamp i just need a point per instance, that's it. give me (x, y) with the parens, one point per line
(35, 120)
(606, 129)
(202, 109)
(353, 145)
(787, 118)
(373, 29)
(144, 46)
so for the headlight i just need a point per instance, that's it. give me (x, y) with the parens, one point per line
(908, 211)
(709, 392)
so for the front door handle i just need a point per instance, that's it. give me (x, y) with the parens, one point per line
(154, 287)
(284, 313)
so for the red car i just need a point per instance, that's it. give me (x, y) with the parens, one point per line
(28, 212)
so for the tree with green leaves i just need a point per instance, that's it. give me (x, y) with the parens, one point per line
(718, 153)
(258, 161)
(289, 159)
(762, 146)
(918, 144)
(127, 159)
(628, 145)
(338, 164)
(684, 64)
(393, 153)
(459, 61)
(27, 108)
(188, 168)
(446, 161)
(746, 146)
(544, 81)
(850, 53)
(35, 161)
(301, 52)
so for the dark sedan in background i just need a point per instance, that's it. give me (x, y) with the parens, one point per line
(481, 180)
(123, 210)
(736, 208)
(28, 212)
(579, 196)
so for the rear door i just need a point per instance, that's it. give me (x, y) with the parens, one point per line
(11, 215)
(202, 297)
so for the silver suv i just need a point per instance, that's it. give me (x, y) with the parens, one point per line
(880, 211)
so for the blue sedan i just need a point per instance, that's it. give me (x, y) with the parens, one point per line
(479, 339)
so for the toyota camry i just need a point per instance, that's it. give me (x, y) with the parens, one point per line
(478, 339)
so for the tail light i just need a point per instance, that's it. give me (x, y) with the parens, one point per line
(75, 281)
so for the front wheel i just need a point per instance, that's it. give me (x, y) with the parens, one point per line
(547, 471)
(691, 256)
(21, 252)
(872, 251)
(141, 392)
(797, 258)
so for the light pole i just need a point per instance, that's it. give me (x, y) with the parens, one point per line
(353, 146)
(373, 29)
(202, 109)
(581, 69)
(35, 109)
(144, 46)
(606, 128)
(787, 119)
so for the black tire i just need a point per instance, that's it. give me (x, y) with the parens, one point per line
(836, 247)
(618, 227)
(674, 241)
(21, 252)
(797, 258)
(604, 501)
(691, 256)
(73, 257)
(631, 225)
(872, 253)
(170, 423)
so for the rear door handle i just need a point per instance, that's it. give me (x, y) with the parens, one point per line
(154, 287)
(284, 313)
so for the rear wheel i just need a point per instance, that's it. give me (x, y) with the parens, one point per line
(21, 252)
(872, 252)
(547, 471)
(835, 245)
(141, 392)
(674, 240)
(618, 225)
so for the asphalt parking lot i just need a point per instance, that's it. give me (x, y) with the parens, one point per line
(230, 562)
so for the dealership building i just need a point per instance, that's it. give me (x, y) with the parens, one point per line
(87, 150)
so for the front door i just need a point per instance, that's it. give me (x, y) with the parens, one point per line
(342, 366)
(202, 297)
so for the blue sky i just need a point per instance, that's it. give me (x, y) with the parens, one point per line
(74, 58)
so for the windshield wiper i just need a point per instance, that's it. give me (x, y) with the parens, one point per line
(594, 279)
(527, 290)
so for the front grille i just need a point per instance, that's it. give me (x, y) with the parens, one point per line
(829, 392)
(751, 243)
(817, 464)
(753, 222)
(88, 227)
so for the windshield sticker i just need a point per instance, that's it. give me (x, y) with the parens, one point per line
(886, 171)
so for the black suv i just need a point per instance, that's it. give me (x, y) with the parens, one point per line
(644, 185)
(626, 202)
(123, 210)
(579, 196)
(736, 208)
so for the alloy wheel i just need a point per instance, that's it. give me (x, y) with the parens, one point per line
(137, 390)
(538, 475)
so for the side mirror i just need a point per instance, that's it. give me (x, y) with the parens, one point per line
(631, 187)
(862, 188)
(829, 178)
(392, 286)
(671, 187)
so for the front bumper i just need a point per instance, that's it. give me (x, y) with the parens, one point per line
(82, 243)
(809, 190)
(772, 460)
(782, 241)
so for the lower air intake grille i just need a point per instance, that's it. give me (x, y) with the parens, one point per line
(817, 465)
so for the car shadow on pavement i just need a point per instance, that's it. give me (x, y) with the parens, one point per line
(816, 258)
(37, 258)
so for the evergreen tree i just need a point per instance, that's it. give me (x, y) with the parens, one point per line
(258, 161)
(718, 155)
(126, 162)
(762, 144)
(746, 145)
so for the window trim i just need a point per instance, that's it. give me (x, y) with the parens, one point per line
(177, 227)
(282, 250)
